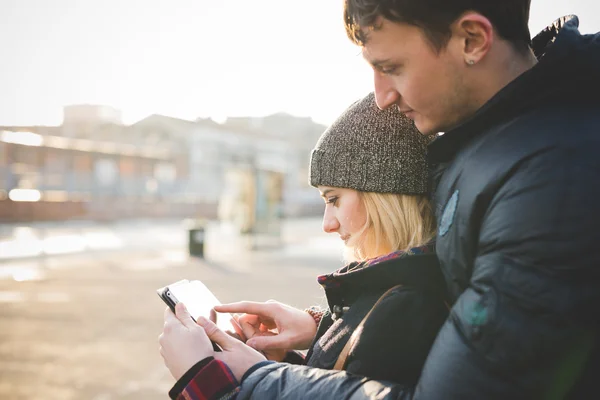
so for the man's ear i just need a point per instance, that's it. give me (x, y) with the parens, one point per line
(475, 34)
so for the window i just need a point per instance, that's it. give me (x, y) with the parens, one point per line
(127, 166)
(82, 162)
(56, 160)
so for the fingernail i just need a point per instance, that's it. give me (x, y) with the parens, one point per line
(201, 321)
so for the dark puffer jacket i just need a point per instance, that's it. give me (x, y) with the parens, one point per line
(398, 334)
(518, 204)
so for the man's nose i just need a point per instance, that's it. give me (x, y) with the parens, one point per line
(385, 94)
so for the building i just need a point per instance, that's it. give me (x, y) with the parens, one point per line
(301, 134)
(98, 167)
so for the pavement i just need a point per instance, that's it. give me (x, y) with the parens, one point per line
(18, 241)
(84, 324)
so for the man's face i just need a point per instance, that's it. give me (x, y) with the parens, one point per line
(425, 85)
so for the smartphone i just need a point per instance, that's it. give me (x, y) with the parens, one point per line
(199, 301)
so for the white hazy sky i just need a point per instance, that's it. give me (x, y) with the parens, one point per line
(191, 58)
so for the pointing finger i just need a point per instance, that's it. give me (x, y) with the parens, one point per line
(248, 307)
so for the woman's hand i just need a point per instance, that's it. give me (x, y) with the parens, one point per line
(183, 343)
(249, 321)
(273, 327)
(238, 356)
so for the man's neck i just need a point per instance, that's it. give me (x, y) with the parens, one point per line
(519, 64)
(509, 66)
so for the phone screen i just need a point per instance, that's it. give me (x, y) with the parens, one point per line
(199, 301)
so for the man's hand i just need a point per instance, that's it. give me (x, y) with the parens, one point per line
(238, 356)
(183, 343)
(273, 326)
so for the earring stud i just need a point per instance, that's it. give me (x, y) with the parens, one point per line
(470, 62)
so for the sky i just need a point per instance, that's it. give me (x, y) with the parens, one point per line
(192, 58)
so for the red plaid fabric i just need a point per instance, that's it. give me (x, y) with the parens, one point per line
(215, 381)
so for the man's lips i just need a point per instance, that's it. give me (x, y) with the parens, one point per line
(407, 112)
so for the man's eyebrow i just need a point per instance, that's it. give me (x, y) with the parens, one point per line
(377, 63)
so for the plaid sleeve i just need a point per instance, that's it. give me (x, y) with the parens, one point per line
(214, 381)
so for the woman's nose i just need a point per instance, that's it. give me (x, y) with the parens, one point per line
(330, 222)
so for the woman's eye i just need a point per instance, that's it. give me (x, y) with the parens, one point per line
(332, 200)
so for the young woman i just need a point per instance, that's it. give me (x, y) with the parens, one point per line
(387, 304)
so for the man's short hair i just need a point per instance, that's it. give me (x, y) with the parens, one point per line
(509, 17)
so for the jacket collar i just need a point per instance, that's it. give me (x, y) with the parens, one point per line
(420, 269)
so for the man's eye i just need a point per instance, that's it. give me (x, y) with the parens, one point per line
(389, 71)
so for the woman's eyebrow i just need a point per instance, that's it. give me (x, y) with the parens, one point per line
(326, 192)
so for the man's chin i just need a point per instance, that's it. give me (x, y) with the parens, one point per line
(422, 127)
(426, 128)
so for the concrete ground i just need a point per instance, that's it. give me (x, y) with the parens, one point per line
(85, 325)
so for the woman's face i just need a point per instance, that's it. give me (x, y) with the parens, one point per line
(344, 211)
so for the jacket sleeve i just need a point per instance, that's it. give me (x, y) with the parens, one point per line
(298, 382)
(208, 379)
(523, 327)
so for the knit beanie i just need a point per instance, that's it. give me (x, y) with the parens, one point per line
(371, 150)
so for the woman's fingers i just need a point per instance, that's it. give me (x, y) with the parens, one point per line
(269, 341)
(249, 307)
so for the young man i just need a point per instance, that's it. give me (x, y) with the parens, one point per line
(517, 177)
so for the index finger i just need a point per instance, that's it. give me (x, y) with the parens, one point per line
(246, 307)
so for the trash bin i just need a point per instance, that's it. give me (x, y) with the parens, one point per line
(196, 240)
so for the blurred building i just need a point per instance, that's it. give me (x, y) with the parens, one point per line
(93, 166)
(301, 135)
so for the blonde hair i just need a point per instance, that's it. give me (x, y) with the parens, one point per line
(394, 222)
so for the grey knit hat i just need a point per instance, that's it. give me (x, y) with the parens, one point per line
(371, 150)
